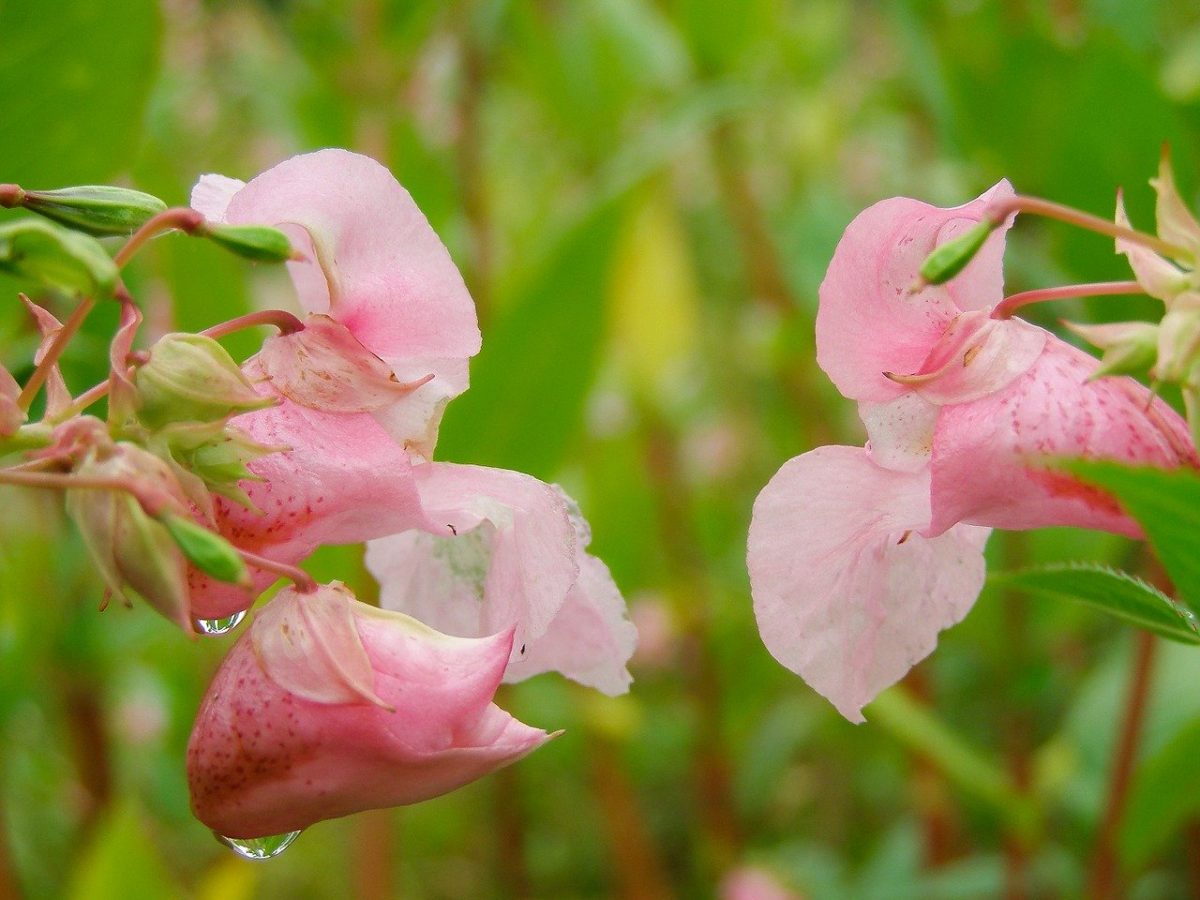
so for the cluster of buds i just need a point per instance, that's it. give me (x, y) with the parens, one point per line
(210, 479)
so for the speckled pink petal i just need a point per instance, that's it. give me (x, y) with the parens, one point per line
(869, 322)
(386, 275)
(847, 594)
(263, 760)
(501, 552)
(323, 366)
(989, 456)
(900, 432)
(976, 356)
(343, 481)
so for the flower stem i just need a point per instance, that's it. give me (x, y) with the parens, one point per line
(62, 481)
(280, 318)
(304, 582)
(181, 218)
(1009, 305)
(1104, 877)
(1002, 209)
(54, 353)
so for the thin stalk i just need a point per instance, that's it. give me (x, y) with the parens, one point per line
(1002, 209)
(1009, 305)
(179, 218)
(285, 321)
(304, 582)
(64, 482)
(1104, 880)
(54, 352)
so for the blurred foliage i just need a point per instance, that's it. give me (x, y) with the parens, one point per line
(643, 196)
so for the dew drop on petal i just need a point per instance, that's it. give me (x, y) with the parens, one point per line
(259, 848)
(216, 627)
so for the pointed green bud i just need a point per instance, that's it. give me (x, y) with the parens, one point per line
(97, 209)
(1130, 348)
(56, 257)
(952, 257)
(253, 242)
(215, 452)
(207, 550)
(190, 377)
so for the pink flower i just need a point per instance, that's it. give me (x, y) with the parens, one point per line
(859, 557)
(508, 550)
(388, 298)
(470, 551)
(327, 706)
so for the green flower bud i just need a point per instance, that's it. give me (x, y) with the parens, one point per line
(96, 209)
(132, 550)
(214, 452)
(952, 257)
(190, 377)
(56, 257)
(254, 242)
(207, 550)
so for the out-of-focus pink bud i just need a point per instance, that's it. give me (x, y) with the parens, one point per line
(327, 706)
(754, 883)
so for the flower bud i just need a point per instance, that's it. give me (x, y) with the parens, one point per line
(190, 378)
(1130, 348)
(56, 257)
(215, 452)
(131, 549)
(256, 243)
(323, 366)
(97, 209)
(11, 415)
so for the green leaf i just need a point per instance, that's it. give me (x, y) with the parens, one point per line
(529, 384)
(1165, 794)
(1166, 503)
(1116, 593)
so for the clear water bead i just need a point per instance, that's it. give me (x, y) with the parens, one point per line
(220, 626)
(259, 848)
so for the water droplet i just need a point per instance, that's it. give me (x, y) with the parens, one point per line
(220, 626)
(260, 848)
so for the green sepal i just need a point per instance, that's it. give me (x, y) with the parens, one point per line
(97, 209)
(56, 257)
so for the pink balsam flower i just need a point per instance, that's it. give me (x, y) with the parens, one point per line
(859, 557)
(327, 706)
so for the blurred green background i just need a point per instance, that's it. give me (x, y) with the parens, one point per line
(643, 196)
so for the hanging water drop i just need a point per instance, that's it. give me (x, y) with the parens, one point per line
(259, 848)
(220, 626)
